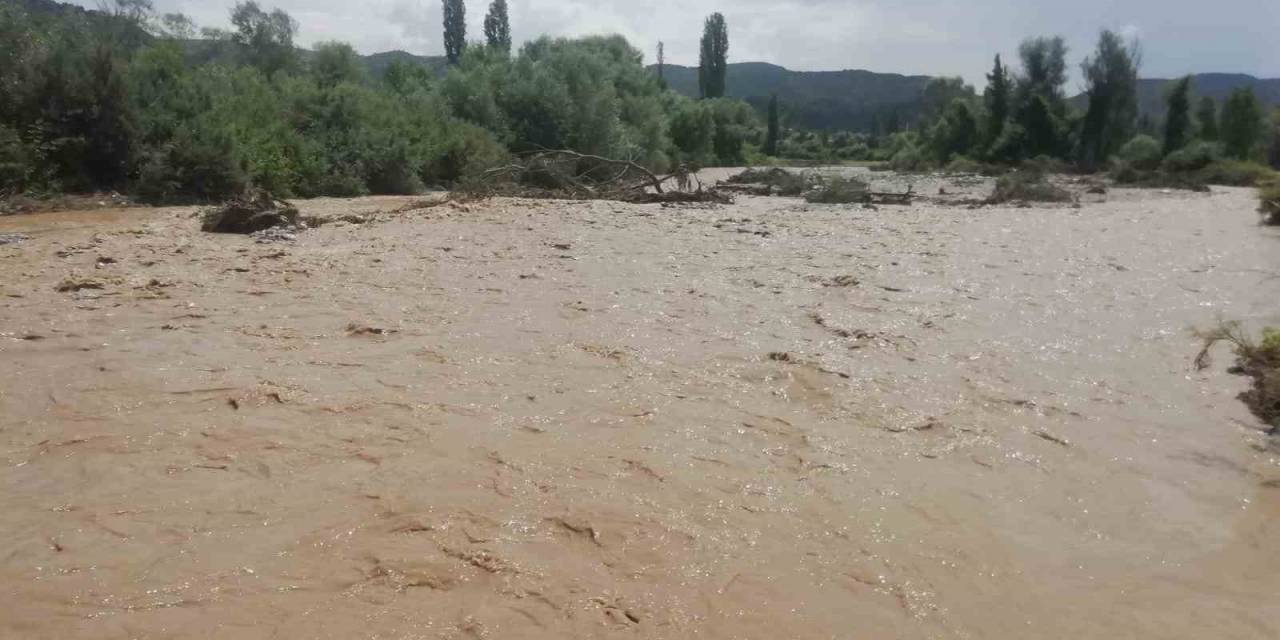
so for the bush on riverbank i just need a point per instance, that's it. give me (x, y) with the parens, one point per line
(1260, 360)
(1026, 185)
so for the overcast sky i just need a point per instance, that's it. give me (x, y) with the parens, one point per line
(930, 37)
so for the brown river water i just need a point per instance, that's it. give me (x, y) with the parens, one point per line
(540, 419)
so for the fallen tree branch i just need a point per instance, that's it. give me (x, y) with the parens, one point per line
(564, 173)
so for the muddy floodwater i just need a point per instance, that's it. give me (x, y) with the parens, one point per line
(539, 419)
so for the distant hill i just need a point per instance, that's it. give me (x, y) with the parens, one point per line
(850, 99)
(377, 63)
(1151, 91)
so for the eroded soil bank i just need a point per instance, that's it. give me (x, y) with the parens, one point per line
(539, 419)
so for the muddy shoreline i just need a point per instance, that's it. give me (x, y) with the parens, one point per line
(546, 419)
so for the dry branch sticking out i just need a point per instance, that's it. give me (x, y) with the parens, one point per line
(568, 174)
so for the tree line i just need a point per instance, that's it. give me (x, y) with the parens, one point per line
(126, 99)
(130, 100)
(1024, 115)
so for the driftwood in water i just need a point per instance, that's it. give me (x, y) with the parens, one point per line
(564, 173)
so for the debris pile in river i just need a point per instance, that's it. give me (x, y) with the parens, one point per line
(1027, 185)
(569, 175)
(770, 182)
(252, 212)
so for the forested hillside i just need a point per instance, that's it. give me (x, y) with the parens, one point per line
(1218, 86)
(852, 99)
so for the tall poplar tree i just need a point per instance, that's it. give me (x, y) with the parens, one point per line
(997, 100)
(1111, 82)
(455, 29)
(1241, 124)
(713, 65)
(771, 138)
(497, 27)
(1177, 121)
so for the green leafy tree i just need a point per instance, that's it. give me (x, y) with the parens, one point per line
(713, 65)
(1273, 146)
(1177, 121)
(1111, 80)
(939, 93)
(692, 131)
(1207, 117)
(176, 26)
(1041, 108)
(497, 26)
(404, 77)
(265, 38)
(662, 61)
(1041, 134)
(1141, 152)
(955, 133)
(455, 30)
(335, 63)
(110, 123)
(1241, 125)
(1044, 69)
(736, 124)
(771, 138)
(996, 97)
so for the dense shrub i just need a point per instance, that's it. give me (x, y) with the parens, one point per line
(15, 162)
(198, 163)
(1269, 202)
(1192, 157)
(1235, 173)
(1027, 186)
(965, 164)
(1143, 153)
(1260, 360)
(908, 159)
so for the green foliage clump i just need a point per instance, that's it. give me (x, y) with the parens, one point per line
(1111, 79)
(837, 190)
(1142, 152)
(265, 38)
(909, 158)
(965, 164)
(996, 98)
(1177, 121)
(1240, 125)
(1207, 119)
(1269, 202)
(1193, 157)
(1258, 360)
(955, 133)
(774, 128)
(1235, 173)
(1027, 185)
